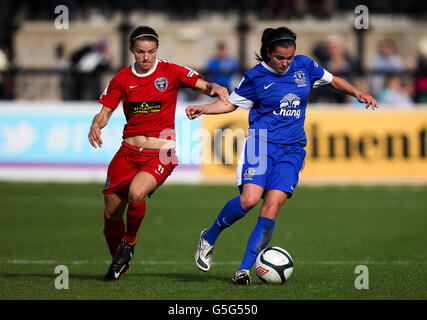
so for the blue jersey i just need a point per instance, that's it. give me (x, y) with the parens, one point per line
(278, 101)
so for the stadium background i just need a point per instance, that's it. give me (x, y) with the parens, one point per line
(42, 75)
(49, 93)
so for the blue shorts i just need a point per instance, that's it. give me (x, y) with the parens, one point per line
(272, 166)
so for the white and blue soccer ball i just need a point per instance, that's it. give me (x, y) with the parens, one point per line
(274, 265)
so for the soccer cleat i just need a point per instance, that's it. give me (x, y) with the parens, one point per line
(115, 271)
(242, 277)
(204, 253)
(121, 261)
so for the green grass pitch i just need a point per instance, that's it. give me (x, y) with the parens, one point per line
(328, 231)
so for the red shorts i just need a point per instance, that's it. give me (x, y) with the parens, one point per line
(130, 160)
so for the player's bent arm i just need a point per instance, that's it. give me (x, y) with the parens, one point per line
(347, 88)
(99, 122)
(217, 107)
(211, 89)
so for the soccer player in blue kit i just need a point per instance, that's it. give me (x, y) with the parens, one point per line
(276, 92)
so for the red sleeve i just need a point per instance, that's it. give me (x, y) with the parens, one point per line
(112, 93)
(186, 77)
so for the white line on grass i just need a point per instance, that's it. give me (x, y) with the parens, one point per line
(171, 262)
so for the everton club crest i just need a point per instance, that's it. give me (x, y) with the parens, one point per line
(300, 78)
(161, 84)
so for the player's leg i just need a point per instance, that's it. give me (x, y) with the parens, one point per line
(261, 234)
(263, 231)
(121, 171)
(234, 210)
(114, 230)
(153, 172)
(114, 227)
(251, 176)
(119, 176)
(142, 185)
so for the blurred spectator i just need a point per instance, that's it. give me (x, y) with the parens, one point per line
(3, 67)
(386, 62)
(278, 9)
(295, 9)
(61, 64)
(6, 78)
(320, 52)
(87, 63)
(339, 62)
(221, 68)
(60, 61)
(334, 57)
(394, 93)
(421, 73)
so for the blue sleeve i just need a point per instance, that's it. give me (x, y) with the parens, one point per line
(246, 88)
(315, 72)
(244, 95)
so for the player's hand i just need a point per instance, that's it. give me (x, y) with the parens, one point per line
(94, 136)
(367, 99)
(193, 112)
(217, 90)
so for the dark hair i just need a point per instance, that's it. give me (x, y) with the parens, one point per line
(145, 33)
(271, 38)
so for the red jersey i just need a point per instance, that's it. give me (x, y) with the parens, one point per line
(149, 99)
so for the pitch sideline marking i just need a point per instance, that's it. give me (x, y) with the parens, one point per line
(143, 262)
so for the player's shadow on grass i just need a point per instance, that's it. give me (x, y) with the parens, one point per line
(178, 276)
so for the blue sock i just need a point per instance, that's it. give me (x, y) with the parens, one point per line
(231, 212)
(258, 240)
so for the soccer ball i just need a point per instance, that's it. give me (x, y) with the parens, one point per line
(274, 265)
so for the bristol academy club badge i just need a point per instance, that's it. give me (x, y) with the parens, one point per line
(161, 84)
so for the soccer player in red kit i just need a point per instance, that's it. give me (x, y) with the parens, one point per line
(149, 90)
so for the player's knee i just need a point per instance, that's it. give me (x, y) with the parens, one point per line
(112, 217)
(249, 201)
(270, 210)
(136, 196)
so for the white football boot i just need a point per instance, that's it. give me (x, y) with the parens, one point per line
(242, 277)
(204, 253)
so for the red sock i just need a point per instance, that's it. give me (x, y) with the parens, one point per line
(135, 214)
(113, 235)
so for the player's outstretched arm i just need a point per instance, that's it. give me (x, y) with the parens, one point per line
(99, 121)
(345, 87)
(217, 107)
(212, 89)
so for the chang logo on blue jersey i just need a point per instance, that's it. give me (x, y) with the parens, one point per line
(288, 106)
(278, 101)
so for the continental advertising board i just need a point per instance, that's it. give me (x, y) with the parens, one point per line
(344, 145)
